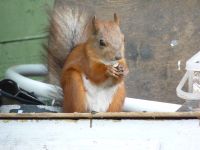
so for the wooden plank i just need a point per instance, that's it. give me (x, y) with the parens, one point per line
(24, 52)
(24, 18)
(21, 22)
(102, 135)
(120, 115)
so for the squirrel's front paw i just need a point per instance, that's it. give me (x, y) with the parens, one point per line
(123, 70)
(117, 71)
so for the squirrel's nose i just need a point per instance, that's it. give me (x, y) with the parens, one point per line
(118, 57)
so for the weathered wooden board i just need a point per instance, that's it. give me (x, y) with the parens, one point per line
(24, 52)
(103, 134)
(24, 18)
(120, 115)
(23, 24)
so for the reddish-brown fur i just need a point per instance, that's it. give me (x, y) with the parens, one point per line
(87, 59)
(74, 50)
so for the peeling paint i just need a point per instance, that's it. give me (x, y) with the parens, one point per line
(104, 134)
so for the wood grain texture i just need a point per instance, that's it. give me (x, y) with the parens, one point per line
(104, 134)
(120, 115)
(21, 20)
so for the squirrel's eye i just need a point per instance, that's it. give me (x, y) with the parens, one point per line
(102, 43)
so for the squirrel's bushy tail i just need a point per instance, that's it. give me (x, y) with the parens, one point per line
(68, 28)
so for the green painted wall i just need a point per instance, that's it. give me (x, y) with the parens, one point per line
(22, 20)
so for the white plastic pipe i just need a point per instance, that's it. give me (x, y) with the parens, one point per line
(140, 105)
(41, 89)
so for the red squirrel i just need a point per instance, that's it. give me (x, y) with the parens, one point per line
(87, 56)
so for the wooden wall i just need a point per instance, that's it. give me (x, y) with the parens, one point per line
(22, 30)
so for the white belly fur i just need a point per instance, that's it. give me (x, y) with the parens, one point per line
(98, 97)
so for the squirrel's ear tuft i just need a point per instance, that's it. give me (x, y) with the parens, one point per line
(94, 24)
(116, 19)
(94, 20)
